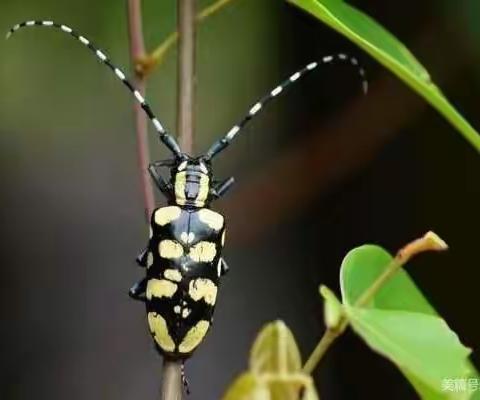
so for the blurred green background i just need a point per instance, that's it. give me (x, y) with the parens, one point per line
(322, 170)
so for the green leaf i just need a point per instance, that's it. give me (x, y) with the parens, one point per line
(476, 393)
(248, 387)
(421, 345)
(275, 350)
(382, 45)
(289, 387)
(423, 389)
(363, 265)
(275, 369)
(360, 268)
(252, 386)
(310, 392)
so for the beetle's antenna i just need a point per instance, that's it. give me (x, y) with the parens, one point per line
(222, 143)
(165, 137)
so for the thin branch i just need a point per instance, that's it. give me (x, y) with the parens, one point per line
(144, 65)
(429, 242)
(171, 388)
(212, 9)
(137, 50)
(186, 75)
(172, 370)
(171, 380)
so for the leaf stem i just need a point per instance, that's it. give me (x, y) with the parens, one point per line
(137, 50)
(329, 336)
(429, 242)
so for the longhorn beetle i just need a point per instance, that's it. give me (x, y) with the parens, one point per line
(183, 258)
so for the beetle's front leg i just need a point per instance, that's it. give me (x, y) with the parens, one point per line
(162, 185)
(137, 291)
(221, 188)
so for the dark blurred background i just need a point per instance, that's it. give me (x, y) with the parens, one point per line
(324, 169)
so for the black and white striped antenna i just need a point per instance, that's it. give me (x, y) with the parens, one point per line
(222, 143)
(165, 137)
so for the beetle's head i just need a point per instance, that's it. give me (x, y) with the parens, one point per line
(191, 179)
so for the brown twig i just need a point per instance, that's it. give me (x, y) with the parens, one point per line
(137, 50)
(171, 380)
(172, 375)
(186, 74)
(171, 386)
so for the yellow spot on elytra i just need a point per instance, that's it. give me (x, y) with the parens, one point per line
(202, 288)
(160, 288)
(211, 218)
(194, 336)
(203, 252)
(165, 215)
(173, 275)
(150, 232)
(170, 249)
(223, 237)
(159, 329)
(149, 259)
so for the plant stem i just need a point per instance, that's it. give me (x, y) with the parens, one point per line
(137, 50)
(323, 345)
(186, 74)
(429, 242)
(172, 370)
(171, 380)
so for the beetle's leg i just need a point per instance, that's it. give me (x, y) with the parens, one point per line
(137, 291)
(221, 188)
(141, 259)
(164, 187)
(224, 268)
